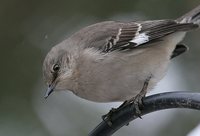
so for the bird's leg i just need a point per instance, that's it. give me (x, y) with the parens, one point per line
(136, 101)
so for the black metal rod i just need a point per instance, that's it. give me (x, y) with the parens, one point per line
(151, 103)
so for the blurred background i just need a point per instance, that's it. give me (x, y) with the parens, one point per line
(28, 30)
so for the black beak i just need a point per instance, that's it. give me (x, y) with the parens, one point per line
(49, 91)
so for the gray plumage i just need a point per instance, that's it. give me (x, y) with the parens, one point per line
(110, 61)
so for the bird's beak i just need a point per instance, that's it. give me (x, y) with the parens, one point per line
(49, 90)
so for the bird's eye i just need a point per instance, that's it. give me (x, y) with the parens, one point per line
(56, 68)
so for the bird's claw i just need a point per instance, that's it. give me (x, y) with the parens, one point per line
(107, 117)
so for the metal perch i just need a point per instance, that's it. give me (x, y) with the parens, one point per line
(151, 103)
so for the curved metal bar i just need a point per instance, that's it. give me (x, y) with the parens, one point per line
(151, 104)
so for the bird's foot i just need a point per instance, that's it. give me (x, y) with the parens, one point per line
(108, 117)
(137, 101)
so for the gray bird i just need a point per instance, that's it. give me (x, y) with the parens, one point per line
(117, 61)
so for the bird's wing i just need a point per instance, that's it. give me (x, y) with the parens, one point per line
(117, 36)
(132, 35)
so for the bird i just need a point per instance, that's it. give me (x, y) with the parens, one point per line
(115, 61)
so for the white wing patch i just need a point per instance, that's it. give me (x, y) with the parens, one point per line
(140, 39)
(117, 37)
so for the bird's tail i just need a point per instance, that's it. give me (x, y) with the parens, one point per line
(191, 17)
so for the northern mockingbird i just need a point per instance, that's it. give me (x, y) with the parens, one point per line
(117, 61)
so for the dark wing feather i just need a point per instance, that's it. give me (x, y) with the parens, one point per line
(180, 48)
(136, 34)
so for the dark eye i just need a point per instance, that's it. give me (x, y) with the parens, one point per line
(56, 68)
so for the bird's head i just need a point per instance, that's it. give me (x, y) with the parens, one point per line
(57, 70)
